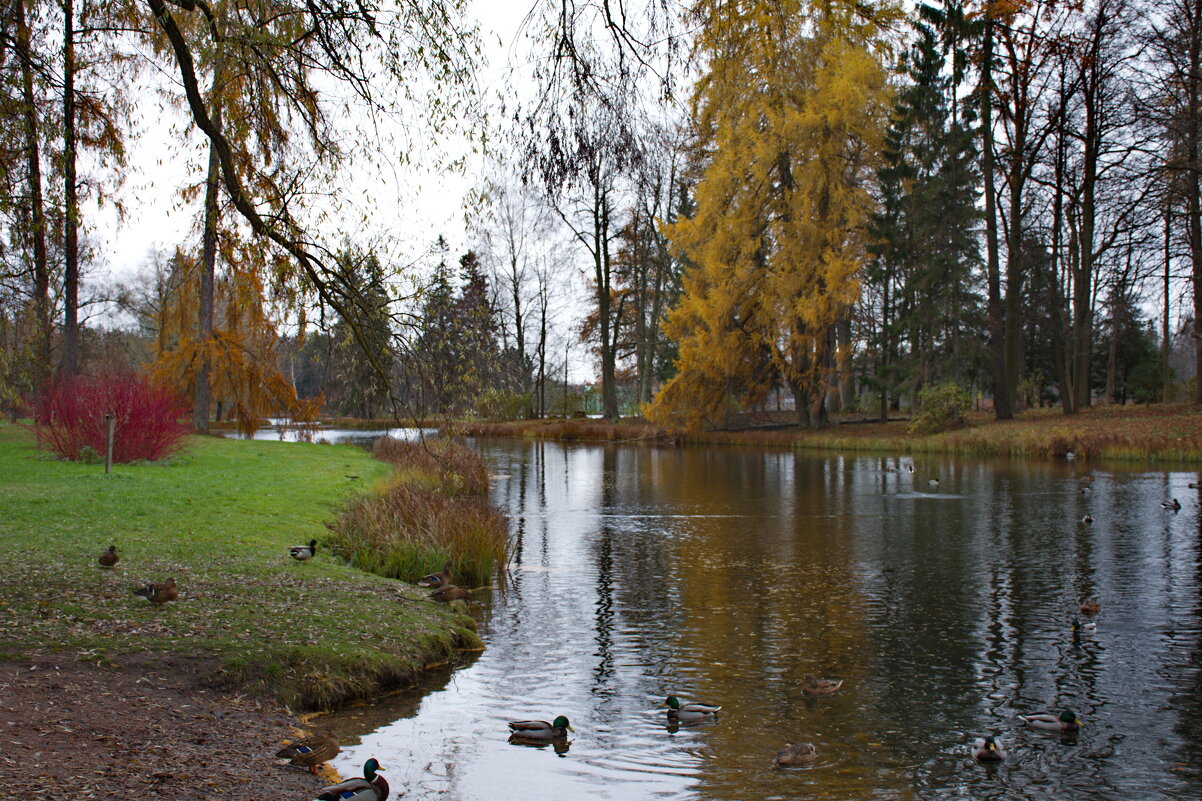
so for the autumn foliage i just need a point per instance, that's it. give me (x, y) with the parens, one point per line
(150, 419)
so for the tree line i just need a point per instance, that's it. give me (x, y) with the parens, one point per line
(834, 203)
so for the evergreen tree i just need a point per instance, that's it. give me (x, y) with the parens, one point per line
(925, 266)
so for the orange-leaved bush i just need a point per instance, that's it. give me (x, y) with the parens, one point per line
(149, 419)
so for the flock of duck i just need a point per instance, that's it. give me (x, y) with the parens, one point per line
(311, 751)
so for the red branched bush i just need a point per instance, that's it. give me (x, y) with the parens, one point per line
(150, 419)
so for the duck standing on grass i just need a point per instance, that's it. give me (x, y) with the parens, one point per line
(988, 749)
(796, 754)
(159, 593)
(109, 558)
(309, 752)
(690, 713)
(371, 787)
(303, 553)
(1067, 721)
(540, 730)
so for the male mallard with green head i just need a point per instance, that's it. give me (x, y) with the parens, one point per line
(302, 553)
(159, 592)
(371, 787)
(109, 558)
(309, 752)
(796, 754)
(988, 749)
(816, 686)
(690, 713)
(1066, 721)
(540, 730)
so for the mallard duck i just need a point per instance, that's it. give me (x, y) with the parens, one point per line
(303, 552)
(1090, 606)
(688, 713)
(1086, 490)
(796, 754)
(449, 592)
(1067, 721)
(1083, 628)
(309, 752)
(1175, 505)
(371, 787)
(988, 749)
(932, 482)
(909, 467)
(1193, 485)
(540, 729)
(109, 557)
(436, 579)
(159, 592)
(815, 686)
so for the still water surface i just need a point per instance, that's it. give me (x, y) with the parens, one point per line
(726, 575)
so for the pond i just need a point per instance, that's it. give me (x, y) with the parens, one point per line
(728, 575)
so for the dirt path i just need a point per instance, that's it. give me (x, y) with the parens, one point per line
(151, 727)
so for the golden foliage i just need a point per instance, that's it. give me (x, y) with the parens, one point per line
(790, 117)
(241, 350)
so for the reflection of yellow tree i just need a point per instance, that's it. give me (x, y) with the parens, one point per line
(789, 117)
(246, 379)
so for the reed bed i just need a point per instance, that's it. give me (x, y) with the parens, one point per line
(432, 513)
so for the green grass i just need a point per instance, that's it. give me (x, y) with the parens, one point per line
(219, 517)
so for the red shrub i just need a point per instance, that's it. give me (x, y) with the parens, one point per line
(69, 418)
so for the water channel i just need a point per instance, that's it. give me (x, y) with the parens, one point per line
(726, 575)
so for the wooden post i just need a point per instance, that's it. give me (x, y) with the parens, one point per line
(109, 424)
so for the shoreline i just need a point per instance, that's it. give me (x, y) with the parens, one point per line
(1151, 434)
(193, 698)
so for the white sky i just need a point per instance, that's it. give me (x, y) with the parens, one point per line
(423, 204)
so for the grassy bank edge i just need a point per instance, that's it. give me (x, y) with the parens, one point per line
(1154, 433)
(218, 517)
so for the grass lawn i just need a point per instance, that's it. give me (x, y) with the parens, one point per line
(219, 517)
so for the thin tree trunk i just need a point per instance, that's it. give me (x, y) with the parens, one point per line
(601, 264)
(208, 270)
(41, 270)
(1192, 178)
(1001, 392)
(1165, 346)
(70, 358)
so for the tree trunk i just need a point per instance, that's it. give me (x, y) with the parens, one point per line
(41, 270)
(601, 264)
(1001, 392)
(1165, 345)
(70, 358)
(1192, 177)
(208, 269)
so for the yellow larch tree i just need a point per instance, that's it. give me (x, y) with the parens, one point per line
(789, 119)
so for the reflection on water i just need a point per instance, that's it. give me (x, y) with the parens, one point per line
(340, 436)
(726, 576)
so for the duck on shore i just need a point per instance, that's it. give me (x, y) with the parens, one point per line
(309, 752)
(302, 553)
(369, 787)
(109, 557)
(159, 593)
